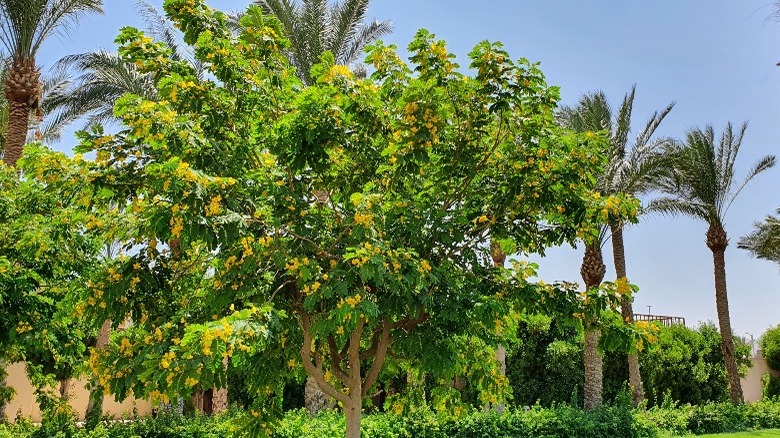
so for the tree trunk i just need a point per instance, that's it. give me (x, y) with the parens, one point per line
(618, 252)
(315, 399)
(219, 397)
(594, 374)
(22, 89)
(65, 388)
(499, 258)
(353, 411)
(96, 392)
(717, 241)
(16, 132)
(592, 272)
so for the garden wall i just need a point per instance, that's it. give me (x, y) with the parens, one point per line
(24, 401)
(751, 384)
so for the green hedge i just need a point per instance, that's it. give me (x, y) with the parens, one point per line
(618, 421)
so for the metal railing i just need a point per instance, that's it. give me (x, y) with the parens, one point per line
(664, 320)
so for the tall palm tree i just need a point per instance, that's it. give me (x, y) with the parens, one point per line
(314, 27)
(702, 185)
(764, 241)
(631, 170)
(24, 26)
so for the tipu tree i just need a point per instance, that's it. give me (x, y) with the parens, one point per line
(333, 228)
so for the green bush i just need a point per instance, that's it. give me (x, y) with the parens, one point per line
(770, 386)
(617, 420)
(686, 366)
(770, 345)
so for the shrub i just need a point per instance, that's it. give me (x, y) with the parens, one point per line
(686, 366)
(771, 386)
(770, 345)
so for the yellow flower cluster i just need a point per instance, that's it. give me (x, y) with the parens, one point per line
(365, 219)
(215, 206)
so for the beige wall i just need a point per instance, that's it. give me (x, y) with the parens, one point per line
(751, 384)
(24, 401)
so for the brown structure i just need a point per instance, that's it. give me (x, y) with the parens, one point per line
(666, 321)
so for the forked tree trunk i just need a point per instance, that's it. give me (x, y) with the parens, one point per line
(96, 393)
(592, 272)
(499, 258)
(627, 311)
(717, 241)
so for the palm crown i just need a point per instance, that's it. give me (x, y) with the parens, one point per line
(703, 184)
(313, 27)
(630, 170)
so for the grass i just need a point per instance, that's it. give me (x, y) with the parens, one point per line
(755, 433)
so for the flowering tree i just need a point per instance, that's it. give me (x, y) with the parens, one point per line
(46, 257)
(332, 228)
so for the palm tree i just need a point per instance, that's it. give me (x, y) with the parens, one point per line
(314, 27)
(631, 170)
(24, 26)
(102, 77)
(702, 185)
(764, 241)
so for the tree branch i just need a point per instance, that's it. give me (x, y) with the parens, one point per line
(312, 369)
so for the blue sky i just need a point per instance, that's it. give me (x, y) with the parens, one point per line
(714, 58)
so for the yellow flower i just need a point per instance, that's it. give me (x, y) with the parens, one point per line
(214, 206)
(425, 266)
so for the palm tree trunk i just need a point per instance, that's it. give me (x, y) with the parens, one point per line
(16, 135)
(592, 272)
(22, 89)
(499, 258)
(618, 252)
(219, 398)
(594, 372)
(717, 241)
(96, 393)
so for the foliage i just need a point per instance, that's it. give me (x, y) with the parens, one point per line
(770, 347)
(770, 386)
(316, 26)
(686, 366)
(26, 25)
(46, 257)
(612, 420)
(764, 241)
(543, 367)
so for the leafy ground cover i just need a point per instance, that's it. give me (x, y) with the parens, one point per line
(618, 420)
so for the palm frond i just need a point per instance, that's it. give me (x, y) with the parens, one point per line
(671, 206)
(366, 34)
(26, 24)
(764, 241)
(313, 27)
(622, 125)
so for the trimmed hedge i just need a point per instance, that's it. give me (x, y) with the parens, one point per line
(618, 421)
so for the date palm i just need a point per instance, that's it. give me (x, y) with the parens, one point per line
(101, 77)
(703, 185)
(24, 26)
(764, 241)
(631, 170)
(314, 27)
